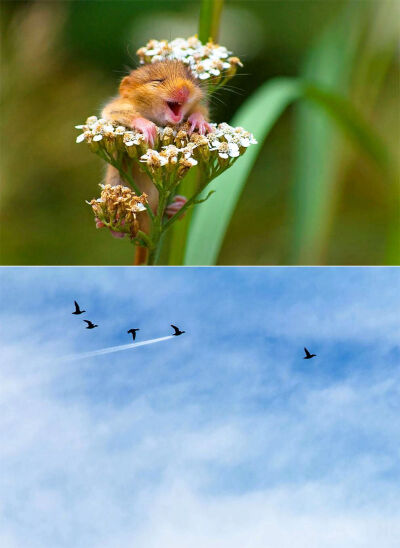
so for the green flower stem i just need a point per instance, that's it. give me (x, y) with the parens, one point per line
(157, 228)
(152, 256)
(209, 21)
(210, 15)
(192, 201)
(178, 235)
(140, 238)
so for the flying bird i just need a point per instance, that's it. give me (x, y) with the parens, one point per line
(90, 325)
(133, 331)
(77, 309)
(308, 356)
(177, 331)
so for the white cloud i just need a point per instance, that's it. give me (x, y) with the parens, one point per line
(218, 441)
(304, 517)
(77, 472)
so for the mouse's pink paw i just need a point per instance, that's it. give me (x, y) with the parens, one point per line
(175, 206)
(115, 234)
(198, 121)
(149, 129)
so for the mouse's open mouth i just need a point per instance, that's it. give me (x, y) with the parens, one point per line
(175, 110)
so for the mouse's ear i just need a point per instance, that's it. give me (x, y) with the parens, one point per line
(125, 85)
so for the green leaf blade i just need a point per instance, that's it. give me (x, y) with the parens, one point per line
(211, 219)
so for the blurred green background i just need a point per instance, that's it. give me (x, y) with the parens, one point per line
(313, 197)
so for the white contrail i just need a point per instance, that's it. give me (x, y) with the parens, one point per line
(114, 349)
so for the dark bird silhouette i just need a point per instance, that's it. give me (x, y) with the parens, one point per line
(90, 325)
(308, 356)
(177, 331)
(77, 309)
(133, 331)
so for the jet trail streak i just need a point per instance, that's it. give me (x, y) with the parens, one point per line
(111, 349)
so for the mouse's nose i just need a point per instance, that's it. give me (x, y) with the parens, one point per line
(181, 94)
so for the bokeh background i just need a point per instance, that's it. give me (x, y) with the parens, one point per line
(62, 60)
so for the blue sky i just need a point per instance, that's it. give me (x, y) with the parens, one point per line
(224, 437)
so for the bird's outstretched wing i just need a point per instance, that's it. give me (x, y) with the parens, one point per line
(307, 352)
(88, 322)
(77, 309)
(175, 328)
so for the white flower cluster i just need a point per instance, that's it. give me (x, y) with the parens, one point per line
(205, 60)
(96, 129)
(230, 141)
(175, 150)
(170, 154)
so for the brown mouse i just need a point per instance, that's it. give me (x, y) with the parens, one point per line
(157, 94)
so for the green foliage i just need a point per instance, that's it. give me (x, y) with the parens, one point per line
(325, 110)
(210, 15)
(310, 196)
(210, 222)
(321, 157)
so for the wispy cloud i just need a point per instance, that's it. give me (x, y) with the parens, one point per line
(224, 437)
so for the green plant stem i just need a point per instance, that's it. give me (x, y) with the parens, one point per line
(209, 22)
(157, 228)
(210, 15)
(183, 209)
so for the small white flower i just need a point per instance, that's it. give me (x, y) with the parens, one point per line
(108, 128)
(191, 160)
(226, 149)
(140, 207)
(167, 131)
(233, 150)
(221, 52)
(153, 158)
(189, 148)
(224, 128)
(222, 148)
(80, 138)
(170, 154)
(130, 138)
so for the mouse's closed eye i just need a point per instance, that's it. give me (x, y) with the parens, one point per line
(158, 80)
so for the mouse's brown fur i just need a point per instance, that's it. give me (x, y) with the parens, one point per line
(161, 93)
